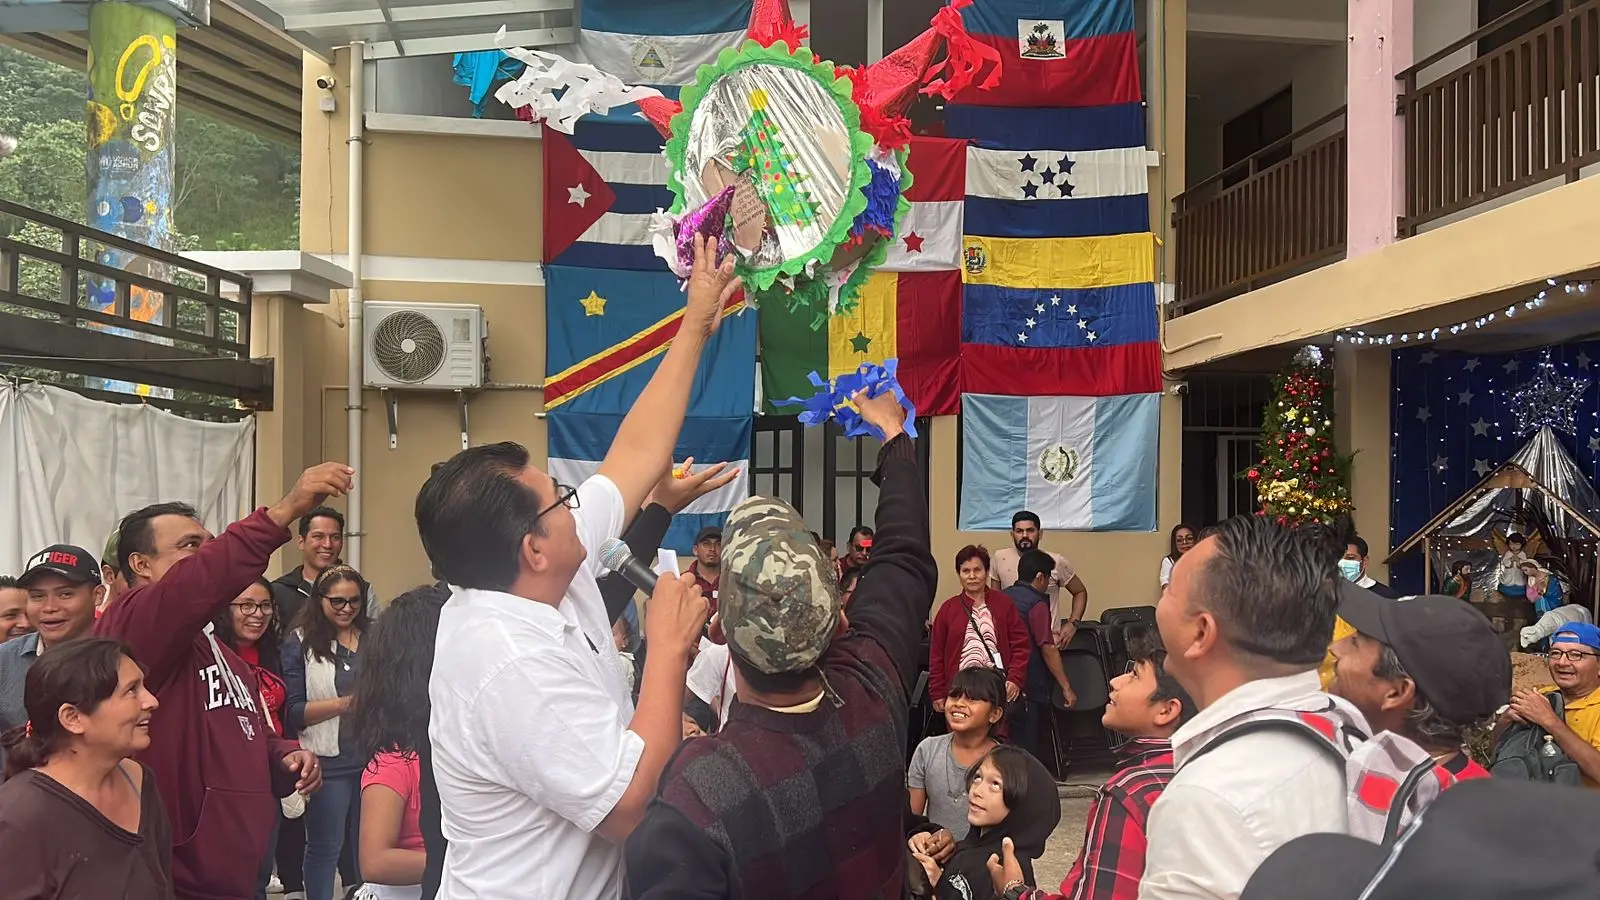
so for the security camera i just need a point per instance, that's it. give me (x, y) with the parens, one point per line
(1177, 388)
(326, 82)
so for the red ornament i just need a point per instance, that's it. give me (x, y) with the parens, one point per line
(1253, 474)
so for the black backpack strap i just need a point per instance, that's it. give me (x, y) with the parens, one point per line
(1402, 800)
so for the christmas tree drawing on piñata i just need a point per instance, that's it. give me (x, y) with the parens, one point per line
(767, 161)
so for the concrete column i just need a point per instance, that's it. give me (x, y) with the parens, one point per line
(1167, 65)
(1361, 426)
(1381, 46)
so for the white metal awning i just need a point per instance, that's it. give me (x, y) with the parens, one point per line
(396, 28)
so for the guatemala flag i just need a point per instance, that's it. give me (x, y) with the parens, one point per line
(1083, 463)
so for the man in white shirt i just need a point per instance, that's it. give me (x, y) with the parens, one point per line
(543, 765)
(1003, 570)
(1245, 621)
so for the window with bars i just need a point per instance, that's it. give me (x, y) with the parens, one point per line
(824, 475)
(1222, 418)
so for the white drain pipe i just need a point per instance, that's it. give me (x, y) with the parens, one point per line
(355, 533)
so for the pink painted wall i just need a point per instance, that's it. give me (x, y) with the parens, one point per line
(1380, 47)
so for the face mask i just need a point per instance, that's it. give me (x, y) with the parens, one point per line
(1350, 569)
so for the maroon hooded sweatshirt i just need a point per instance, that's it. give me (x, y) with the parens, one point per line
(216, 761)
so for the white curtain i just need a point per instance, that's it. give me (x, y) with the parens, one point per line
(71, 467)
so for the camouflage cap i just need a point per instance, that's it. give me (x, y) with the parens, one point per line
(779, 596)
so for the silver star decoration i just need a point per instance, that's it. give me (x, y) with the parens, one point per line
(1022, 338)
(1472, 364)
(1510, 367)
(1429, 357)
(1548, 400)
(1440, 463)
(1583, 360)
(577, 195)
(1594, 445)
(1466, 397)
(1423, 415)
(1093, 337)
(1480, 467)
(1039, 309)
(1480, 428)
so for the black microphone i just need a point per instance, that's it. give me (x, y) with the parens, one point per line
(615, 555)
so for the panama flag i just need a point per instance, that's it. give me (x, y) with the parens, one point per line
(1084, 463)
(662, 42)
(612, 309)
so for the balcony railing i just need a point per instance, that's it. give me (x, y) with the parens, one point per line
(1282, 218)
(1519, 115)
(172, 323)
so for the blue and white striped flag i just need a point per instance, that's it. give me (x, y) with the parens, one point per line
(1081, 463)
(662, 42)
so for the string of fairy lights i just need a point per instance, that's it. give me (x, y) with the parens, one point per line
(1361, 338)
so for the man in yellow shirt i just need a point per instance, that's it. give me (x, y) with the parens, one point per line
(1575, 667)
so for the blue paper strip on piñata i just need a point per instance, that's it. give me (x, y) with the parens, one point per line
(833, 400)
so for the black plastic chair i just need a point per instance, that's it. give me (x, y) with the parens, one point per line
(1115, 624)
(1076, 735)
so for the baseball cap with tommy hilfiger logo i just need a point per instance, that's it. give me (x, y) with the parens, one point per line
(72, 563)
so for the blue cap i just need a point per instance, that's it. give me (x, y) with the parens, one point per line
(1578, 633)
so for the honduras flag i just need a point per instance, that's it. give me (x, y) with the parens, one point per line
(1084, 463)
(662, 42)
(612, 309)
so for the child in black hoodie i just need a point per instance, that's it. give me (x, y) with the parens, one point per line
(1009, 795)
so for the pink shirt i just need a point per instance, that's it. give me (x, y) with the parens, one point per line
(401, 773)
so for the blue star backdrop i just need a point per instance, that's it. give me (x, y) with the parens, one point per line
(1452, 422)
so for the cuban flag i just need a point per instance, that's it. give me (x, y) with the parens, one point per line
(1083, 463)
(612, 309)
(663, 42)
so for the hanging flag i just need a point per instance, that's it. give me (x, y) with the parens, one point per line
(1084, 463)
(601, 186)
(1057, 52)
(663, 42)
(909, 309)
(612, 309)
(1055, 193)
(579, 441)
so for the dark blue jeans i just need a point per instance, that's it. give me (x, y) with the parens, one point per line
(333, 817)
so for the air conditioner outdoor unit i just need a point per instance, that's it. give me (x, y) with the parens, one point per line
(424, 346)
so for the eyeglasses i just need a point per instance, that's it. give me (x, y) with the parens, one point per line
(1571, 655)
(566, 495)
(343, 602)
(253, 609)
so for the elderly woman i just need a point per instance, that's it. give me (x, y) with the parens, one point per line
(80, 819)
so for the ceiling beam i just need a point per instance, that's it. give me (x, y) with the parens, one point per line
(1268, 28)
(400, 14)
(462, 43)
(263, 17)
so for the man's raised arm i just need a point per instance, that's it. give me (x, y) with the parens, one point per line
(642, 451)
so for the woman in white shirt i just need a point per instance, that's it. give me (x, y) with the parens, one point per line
(1183, 539)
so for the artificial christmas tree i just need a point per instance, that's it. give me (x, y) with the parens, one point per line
(771, 163)
(1301, 477)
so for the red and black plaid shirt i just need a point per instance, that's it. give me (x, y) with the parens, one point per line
(1112, 862)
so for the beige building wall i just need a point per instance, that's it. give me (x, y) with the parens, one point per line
(479, 198)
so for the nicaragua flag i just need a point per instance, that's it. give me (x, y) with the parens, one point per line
(662, 42)
(1083, 463)
(1057, 52)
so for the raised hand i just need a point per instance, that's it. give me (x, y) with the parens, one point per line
(315, 486)
(883, 412)
(676, 493)
(710, 285)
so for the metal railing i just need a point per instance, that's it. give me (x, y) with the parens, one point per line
(1518, 115)
(1283, 217)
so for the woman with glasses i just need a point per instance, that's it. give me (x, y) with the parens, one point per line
(249, 627)
(320, 663)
